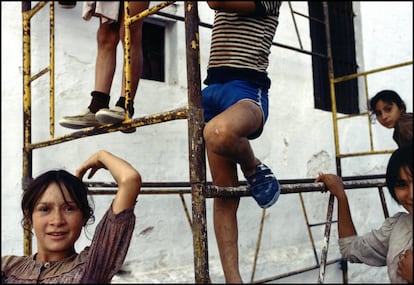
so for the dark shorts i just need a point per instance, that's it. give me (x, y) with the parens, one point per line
(218, 97)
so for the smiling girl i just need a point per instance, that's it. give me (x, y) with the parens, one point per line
(56, 207)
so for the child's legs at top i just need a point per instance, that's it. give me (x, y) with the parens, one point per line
(107, 38)
(135, 45)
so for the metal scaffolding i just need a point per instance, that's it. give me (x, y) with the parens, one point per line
(197, 186)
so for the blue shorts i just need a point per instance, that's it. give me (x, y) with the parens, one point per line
(218, 97)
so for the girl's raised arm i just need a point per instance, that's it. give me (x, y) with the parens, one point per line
(125, 175)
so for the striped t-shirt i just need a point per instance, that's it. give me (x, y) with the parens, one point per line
(240, 45)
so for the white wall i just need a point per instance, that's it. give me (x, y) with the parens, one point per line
(297, 141)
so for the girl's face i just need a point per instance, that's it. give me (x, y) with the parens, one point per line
(404, 189)
(57, 224)
(387, 113)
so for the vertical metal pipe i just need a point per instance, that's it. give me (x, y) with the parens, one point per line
(335, 127)
(27, 129)
(127, 56)
(383, 202)
(324, 254)
(52, 69)
(331, 74)
(197, 162)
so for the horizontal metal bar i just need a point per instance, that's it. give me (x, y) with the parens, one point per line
(287, 187)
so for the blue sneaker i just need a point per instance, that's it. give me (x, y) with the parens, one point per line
(264, 186)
